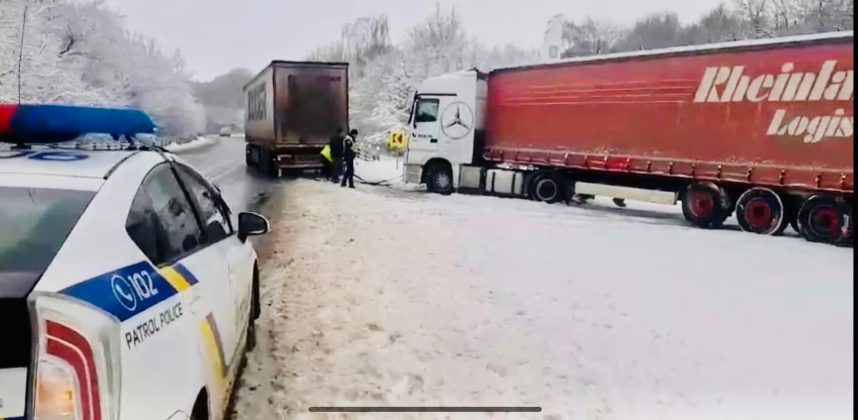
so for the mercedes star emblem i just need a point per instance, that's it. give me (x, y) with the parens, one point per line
(457, 121)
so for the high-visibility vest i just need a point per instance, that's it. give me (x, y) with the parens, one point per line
(326, 153)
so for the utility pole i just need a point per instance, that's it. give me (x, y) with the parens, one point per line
(21, 47)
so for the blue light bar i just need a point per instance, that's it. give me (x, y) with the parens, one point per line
(59, 123)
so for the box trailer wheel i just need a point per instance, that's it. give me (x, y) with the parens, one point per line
(251, 156)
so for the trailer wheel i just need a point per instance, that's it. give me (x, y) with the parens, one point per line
(762, 211)
(264, 163)
(826, 219)
(702, 206)
(248, 156)
(439, 179)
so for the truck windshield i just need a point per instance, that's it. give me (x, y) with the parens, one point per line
(34, 223)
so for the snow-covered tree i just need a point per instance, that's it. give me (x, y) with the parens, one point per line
(590, 37)
(658, 30)
(757, 16)
(81, 53)
(49, 71)
(718, 25)
(827, 15)
(384, 76)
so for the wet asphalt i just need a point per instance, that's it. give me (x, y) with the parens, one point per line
(223, 164)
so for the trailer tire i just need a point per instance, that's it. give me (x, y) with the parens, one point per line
(248, 156)
(761, 211)
(264, 161)
(267, 163)
(826, 219)
(702, 206)
(439, 179)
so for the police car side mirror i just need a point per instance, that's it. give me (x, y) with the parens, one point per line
(251, 224)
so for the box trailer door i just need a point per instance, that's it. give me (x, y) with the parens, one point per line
(312, 102)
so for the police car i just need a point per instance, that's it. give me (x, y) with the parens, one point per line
(128, 289)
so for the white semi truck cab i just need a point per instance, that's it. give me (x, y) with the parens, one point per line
(447, 129)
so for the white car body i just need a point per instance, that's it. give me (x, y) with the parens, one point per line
(172, 333)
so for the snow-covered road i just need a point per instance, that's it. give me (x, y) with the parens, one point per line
(384, 296)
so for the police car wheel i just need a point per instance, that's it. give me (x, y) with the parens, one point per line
(250, 342)
(201, 408)
(255, 309)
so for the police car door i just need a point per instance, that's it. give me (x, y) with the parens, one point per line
(238, 254)
(181, 248)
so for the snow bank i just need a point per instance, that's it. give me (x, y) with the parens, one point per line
(387, 168)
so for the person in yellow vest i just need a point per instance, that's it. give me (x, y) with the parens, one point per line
(327, 162)
(332, 156)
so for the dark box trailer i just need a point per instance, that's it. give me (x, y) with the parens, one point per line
(293, 109)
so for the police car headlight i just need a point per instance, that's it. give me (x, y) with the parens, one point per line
(77, 363)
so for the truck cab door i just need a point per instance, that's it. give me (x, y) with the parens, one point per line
(424, 142)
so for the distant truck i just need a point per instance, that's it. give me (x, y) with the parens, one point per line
(293, 109)
(225, 131)
(763, 129)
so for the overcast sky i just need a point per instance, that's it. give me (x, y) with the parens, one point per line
(216, 36)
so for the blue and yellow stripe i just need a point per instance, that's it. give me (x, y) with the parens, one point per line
(105, 290)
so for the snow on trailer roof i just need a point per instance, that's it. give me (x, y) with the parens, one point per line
(690, 49)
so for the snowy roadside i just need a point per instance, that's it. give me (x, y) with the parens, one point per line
(388, 297)
(195, 144)
(387, 169)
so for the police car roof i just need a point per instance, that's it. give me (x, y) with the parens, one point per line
(60, 162)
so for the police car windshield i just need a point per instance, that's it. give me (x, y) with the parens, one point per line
(34, 223)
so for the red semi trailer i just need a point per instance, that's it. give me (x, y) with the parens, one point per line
(763, 129)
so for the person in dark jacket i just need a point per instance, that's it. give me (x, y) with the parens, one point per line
(349, 155)
(336, 145)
